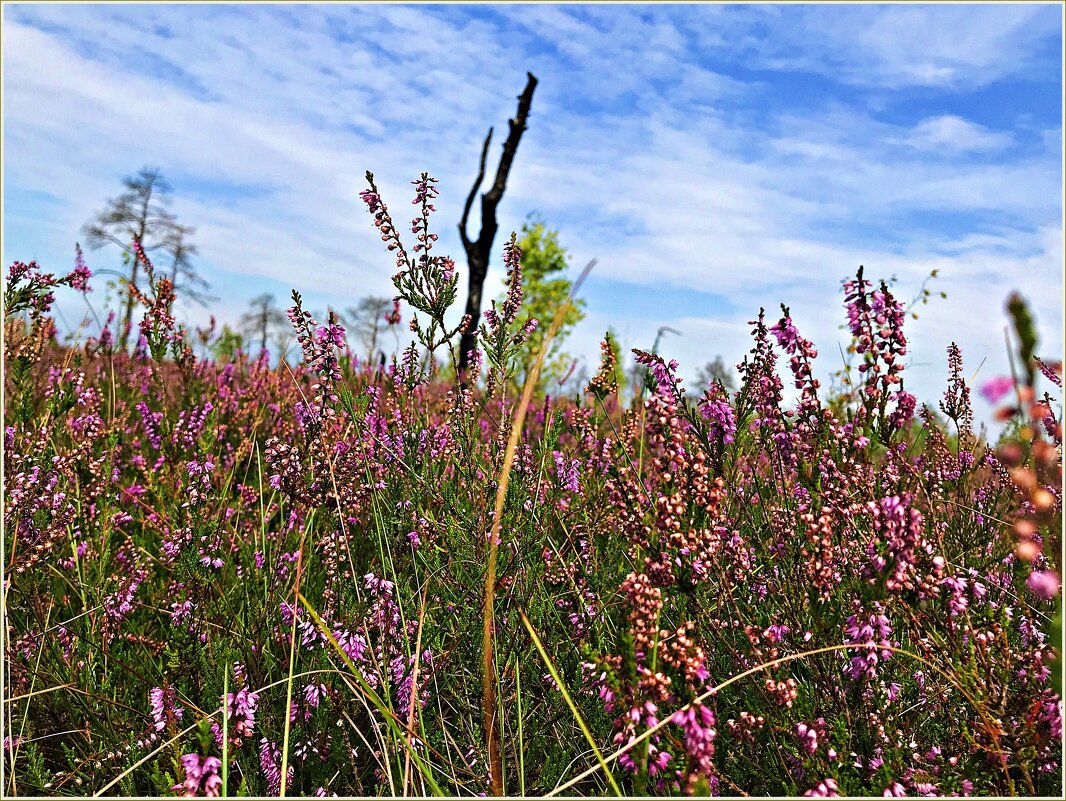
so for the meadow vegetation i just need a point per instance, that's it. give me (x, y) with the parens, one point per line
(236, 576)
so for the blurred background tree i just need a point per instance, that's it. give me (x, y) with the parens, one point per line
(712, 372)
(262, 320)
(141, 212)
(366, 322)
(188, 283)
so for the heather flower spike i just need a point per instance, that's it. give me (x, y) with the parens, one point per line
(502, 336)
(605, 382)
(827, 581)
(427, 282)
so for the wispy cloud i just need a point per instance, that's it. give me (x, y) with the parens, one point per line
(741, 155)
(954, 134)
(956, 46)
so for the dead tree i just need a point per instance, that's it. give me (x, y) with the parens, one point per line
(141, 213)
(263, 318)
(479, 251)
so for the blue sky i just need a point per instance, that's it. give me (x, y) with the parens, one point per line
(714, 159)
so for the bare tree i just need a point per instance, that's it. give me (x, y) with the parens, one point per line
(367, 320)
(479, 251)
(714, 372)
(140, 213)
(187, 282)
(262, 318)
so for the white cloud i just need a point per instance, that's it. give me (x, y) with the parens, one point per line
(894, 46)
(951, 133)
(669, 171)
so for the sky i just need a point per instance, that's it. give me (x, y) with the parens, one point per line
(714, 159)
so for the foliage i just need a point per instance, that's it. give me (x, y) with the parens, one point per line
(223, 576)
(228, 346)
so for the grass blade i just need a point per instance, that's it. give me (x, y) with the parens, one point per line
(374, 698)
(225, 733)
(570, 703)
(488, 676)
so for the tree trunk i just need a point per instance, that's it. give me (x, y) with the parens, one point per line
(124, 333)
(479, 251)
(142, 225)
(478, 270)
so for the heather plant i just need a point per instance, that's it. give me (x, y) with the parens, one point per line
(545, 288)
(224, 577)
(428, 283)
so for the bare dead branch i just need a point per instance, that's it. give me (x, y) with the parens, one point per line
(478, 253)
(473, 192)
(516, 127)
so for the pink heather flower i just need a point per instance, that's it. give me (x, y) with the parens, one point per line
(568, 473)
(1043, 583)
(313, 694)
(785, 332)
(827, 788)
(663, 373)
(201, 773)
(994, 389)
(332, 334)
(1052, 372)
(776, 632)
(808, 738)
(19, 269)
(163, 706)
(719, 414)
(871, 630)
(697, 723)
(242, 706)
(956, 402)
(393, 317)
(353, 645)
(79, 277)
(512, 259)
(180, 612)
(270, 764)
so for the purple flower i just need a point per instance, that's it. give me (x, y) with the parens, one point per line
(720, 416)
(1043, 583)
(79, 277)
(827, 788)
(698, 725)
(871, 630)
(994, 389)
(163, 706)
(808, 738)
(201, 773)
(353, 645)
(568, 473)
(242, 706)
(270, 764)
(332, 334)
